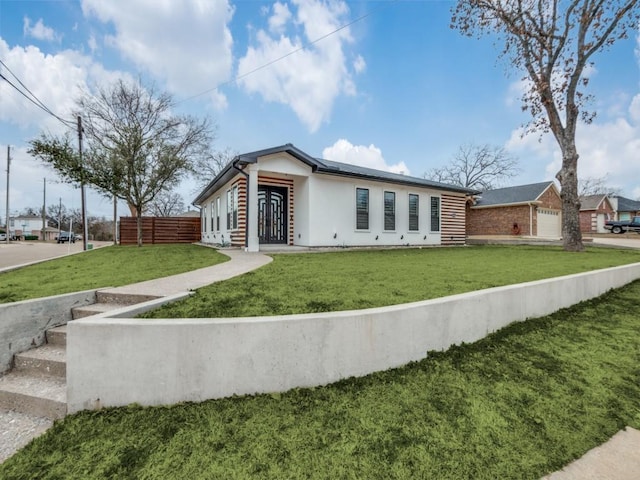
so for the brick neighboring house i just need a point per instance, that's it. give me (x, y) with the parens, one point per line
(624, 208)
(595, 210)
(533, 210)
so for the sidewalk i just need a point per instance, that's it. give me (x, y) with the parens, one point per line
(240, 262)
(617, 459)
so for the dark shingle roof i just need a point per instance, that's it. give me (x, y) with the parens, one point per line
(512, 195)
(322, 166)
(591, 202)
(349, 170)
(628, 205)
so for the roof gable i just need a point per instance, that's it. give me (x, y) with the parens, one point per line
(513, 195)
(592, 202)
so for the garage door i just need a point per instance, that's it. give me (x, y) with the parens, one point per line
(549, 223)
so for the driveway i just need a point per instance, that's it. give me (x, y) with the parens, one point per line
(20, 253)
(628, 240)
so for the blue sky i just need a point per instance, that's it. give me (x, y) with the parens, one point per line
(396, 90)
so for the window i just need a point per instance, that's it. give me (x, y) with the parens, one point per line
(414, 224)
(229, 208)
(389, 211)
(235, 206)
(362, 209)
(218, 214)
(203, 219)
(435, 214)
(213, 213)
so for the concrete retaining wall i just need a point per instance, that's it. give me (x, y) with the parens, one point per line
(113, 362)
(23, 324)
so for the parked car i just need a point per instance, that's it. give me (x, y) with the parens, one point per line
(621, 227)
(66, 237)
(3, 237)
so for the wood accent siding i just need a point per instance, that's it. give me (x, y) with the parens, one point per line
(160, 230)
(288, 184)
(238, 235)
(452, 223)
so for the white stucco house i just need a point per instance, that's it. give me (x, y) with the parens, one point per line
(284, 196)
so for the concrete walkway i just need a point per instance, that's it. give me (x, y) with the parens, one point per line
(617, 459)
(240, 262)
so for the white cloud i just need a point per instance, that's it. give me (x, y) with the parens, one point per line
(188, 43)
(607, 149)
(281, 15)
(38, 31)
(309, 80)
(371, 156)
(359, 65)
(57, 80)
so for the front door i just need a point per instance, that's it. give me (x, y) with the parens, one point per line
(272, 214)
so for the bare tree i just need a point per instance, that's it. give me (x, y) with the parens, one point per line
(166, 204)
(553, 41)
(206, 168)
(136, 146)
(478, 167)
(596, 186)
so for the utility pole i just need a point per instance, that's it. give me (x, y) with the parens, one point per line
(8, 231)
(44, 210)
(85, 231)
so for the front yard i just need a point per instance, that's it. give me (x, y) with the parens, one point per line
(517, 405)
(350, 280)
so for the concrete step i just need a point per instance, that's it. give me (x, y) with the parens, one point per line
(57, 336)
(122, 299)
(93, 309)
(47, 360)
(40, 396)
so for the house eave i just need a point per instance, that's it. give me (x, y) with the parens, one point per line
(501, 205)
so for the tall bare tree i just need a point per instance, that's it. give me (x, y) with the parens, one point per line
(206, 168)
(136, 147)
(596, 186)
(553, 41)
(166, 204)
(478, 167)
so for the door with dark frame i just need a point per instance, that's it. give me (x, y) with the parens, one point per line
(272, 214)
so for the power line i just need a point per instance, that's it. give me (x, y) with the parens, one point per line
(275, 60)
(33, 98)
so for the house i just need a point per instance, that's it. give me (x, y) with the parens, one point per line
(30, 225)
(595, 210)
(625, 208)
(533, 210)
(284, 196)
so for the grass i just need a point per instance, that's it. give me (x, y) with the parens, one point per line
(319, 282)
(517, 405)
(104, 267)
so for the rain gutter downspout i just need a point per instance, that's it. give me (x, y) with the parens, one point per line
(531, 220)
(246, 214)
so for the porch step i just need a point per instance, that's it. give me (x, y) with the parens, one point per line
(93, 309)
(47, 360)
(36, 395)
(122, 299)
(57, 336)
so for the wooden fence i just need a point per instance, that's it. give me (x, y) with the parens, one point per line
(160, 230)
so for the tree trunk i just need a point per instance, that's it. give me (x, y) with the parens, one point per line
(568, 177)
(139, 226)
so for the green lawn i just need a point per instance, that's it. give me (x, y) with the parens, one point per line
(348, 280)
(517, 405)
(104, 267)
